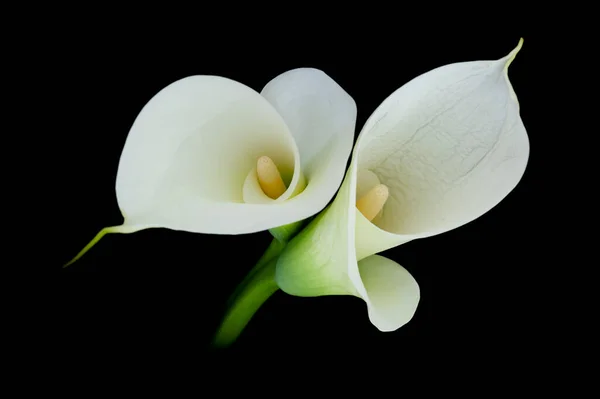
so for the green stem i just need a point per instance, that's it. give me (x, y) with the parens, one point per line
(273, 251)
(258, 286)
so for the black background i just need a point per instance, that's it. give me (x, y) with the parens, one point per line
(157, 294)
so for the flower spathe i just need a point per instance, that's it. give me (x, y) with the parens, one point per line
(189, 161)
(449, 145)
(191, 150)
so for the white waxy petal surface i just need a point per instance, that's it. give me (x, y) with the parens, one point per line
(449, 145)
(393, 293)
(189, 160)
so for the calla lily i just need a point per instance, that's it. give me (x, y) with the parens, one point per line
(438, 153)
(193, 158)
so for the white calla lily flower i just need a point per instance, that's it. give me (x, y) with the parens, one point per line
(438, 153)
(193, 157)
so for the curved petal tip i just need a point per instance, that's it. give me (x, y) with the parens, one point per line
(513, 54)
(107, 230)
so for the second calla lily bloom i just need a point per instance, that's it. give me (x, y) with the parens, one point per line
(194, 156)
(438, 153)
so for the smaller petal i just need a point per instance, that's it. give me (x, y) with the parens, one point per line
(393, 294)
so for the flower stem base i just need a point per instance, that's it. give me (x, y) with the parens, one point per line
(249, 296)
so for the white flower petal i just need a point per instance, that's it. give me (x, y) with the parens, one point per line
(189, 151)
(189, 160)
(393, 293)
(449, 145)
(447, 159)
(322, 117)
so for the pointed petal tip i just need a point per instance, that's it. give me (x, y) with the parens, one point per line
(512, 55)
(107, 230)
(89, 246)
